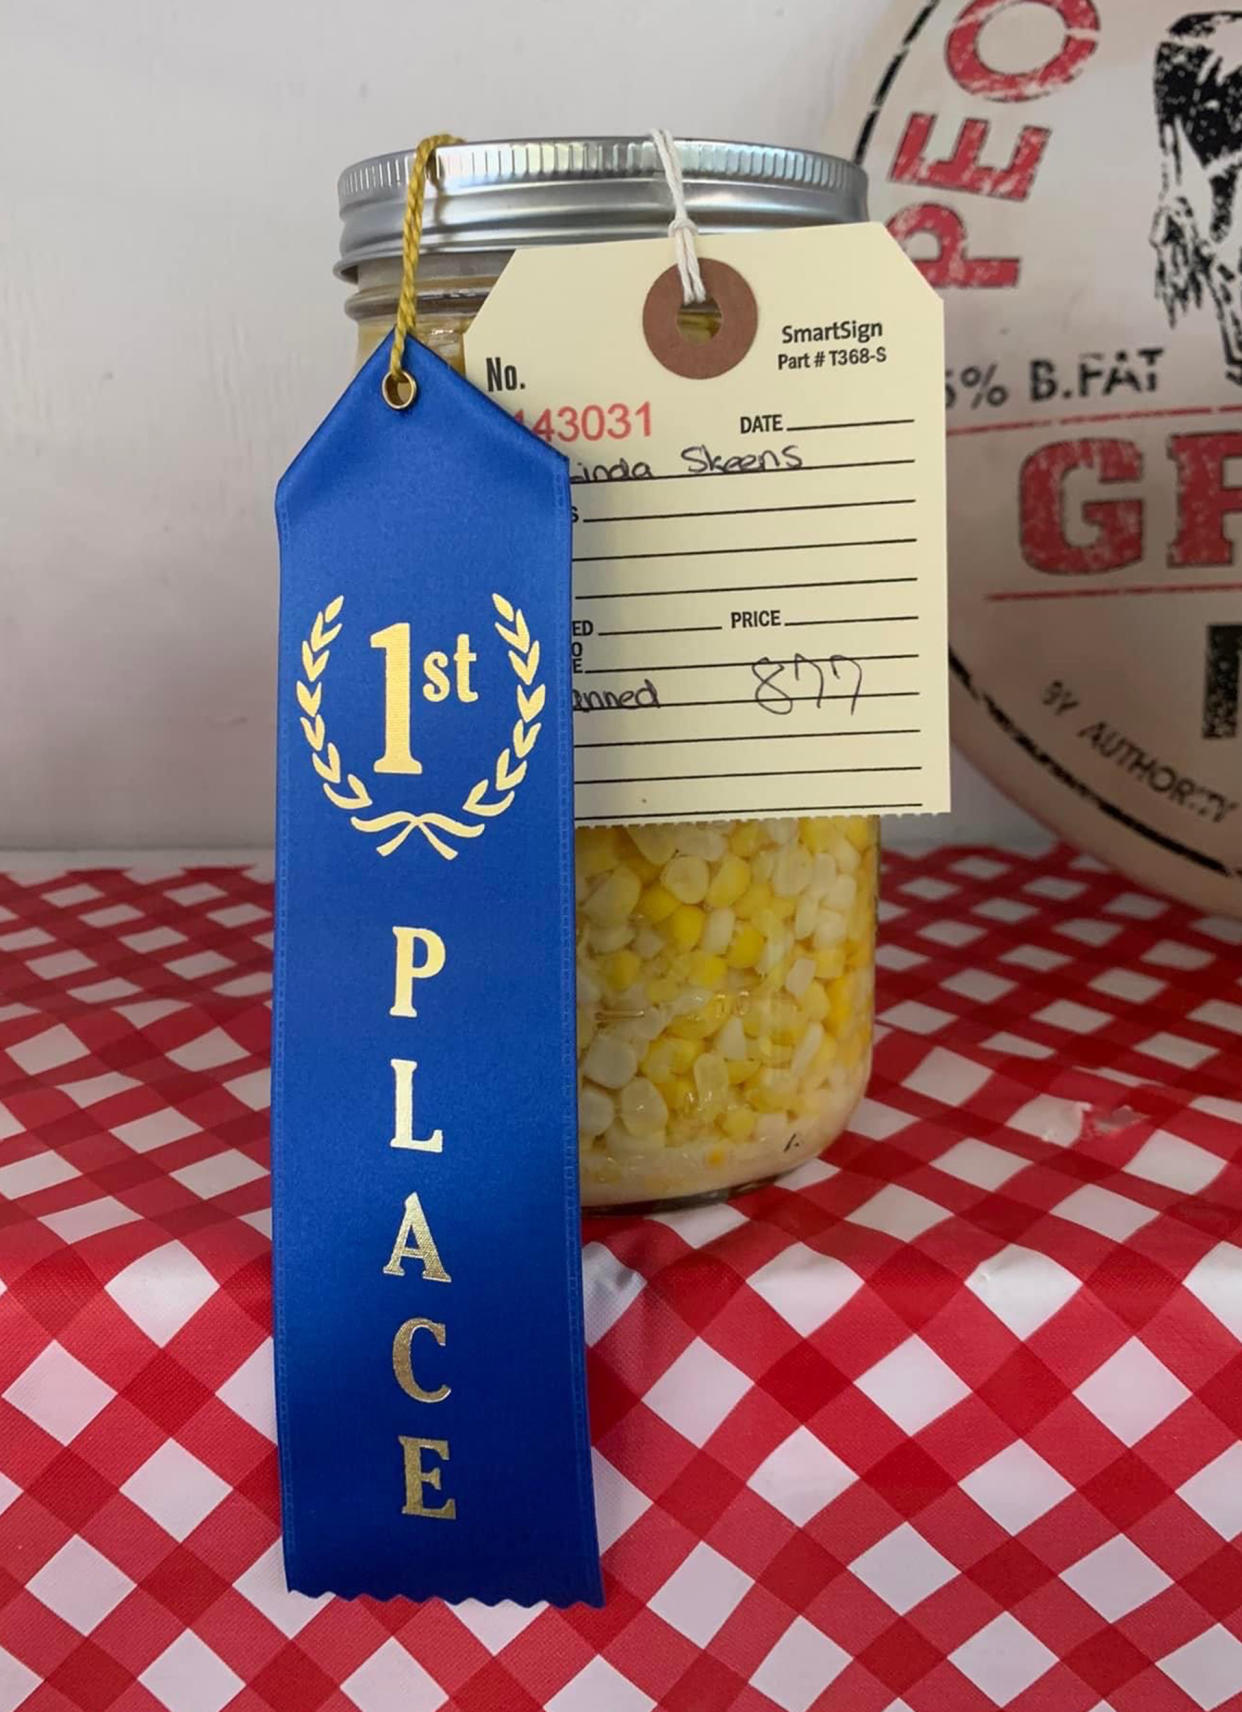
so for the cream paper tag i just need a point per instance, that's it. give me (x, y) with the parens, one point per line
(759, 553)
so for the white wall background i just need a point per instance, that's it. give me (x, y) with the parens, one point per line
(170, 332)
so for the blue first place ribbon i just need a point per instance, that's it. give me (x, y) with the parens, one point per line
(427, 1248)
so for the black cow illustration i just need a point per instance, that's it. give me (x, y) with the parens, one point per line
(1197, 234)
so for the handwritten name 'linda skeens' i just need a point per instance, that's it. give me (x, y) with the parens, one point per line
(700, 460)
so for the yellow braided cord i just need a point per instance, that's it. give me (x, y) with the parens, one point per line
(411, 240)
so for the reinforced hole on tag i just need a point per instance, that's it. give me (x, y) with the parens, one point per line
(701, 340)
(699, 322)
(399, 390)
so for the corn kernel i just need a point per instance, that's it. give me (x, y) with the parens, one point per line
(728, 882)
(685, 926)
(658, 1060)
(817, 835)
(774, 978)
(767, 921)
(800, 976)
(830, 962)
(786, 1024)
(791, 872)
(808, 1046)
(656, 904)
(648, 943)
(841, 893)
(746, 839)
(806, 915)
(622, 969)
(815, 1003)
(718, 934)
(602, 940)
(610, 1061)
(776, 951)
(742, 1069)
(756, 898)
(738, 1123)
(687, 878)
(595, 1111)
(858, 830)
(664, 989)
(731, 1041)
(830, 929)
(684, 1054)
(657, 844)
(596, 850)
(711, 1082)
(709, 842)
(840, 1003)
(669, 1056)
(846, 857)
(613, 898)
(746, 945)
(824, 1059)
(678, 1094)
(823, 874)
(643, 1111)
(707, 971)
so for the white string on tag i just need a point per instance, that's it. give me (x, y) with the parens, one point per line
(681, 228)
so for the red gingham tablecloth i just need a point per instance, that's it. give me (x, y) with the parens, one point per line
(948, 1420)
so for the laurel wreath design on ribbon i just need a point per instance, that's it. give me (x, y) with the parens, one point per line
(345, 790)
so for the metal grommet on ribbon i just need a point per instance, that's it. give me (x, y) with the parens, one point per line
(399, 390)
(398, 387)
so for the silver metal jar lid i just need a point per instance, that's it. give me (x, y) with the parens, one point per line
(565, 190)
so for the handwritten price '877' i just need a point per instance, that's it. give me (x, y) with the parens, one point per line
(773, 697)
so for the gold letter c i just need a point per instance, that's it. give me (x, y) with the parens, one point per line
(402, 1365)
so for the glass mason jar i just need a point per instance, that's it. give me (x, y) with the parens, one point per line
(725, 968)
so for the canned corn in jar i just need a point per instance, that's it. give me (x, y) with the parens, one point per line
(725, 968)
